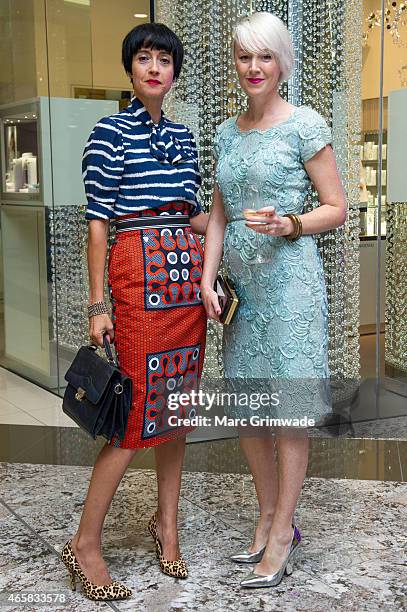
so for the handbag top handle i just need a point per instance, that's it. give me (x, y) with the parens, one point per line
(108, 351)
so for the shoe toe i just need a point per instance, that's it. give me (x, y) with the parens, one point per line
(250, 580)
(176, 569)
(239, 557)
(121, 589)
(245, 556)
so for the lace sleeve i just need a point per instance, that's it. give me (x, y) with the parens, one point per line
(314, 135)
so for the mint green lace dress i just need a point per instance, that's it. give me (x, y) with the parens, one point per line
(280, 332)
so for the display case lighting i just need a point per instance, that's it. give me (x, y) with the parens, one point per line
(84, 2)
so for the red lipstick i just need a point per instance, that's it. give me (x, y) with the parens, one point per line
(255, 81)
(153, 82)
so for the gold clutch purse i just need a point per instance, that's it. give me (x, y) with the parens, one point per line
(228, 300)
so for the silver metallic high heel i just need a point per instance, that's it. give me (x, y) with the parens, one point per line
(245, 556)
(248, 557)
(257, 580)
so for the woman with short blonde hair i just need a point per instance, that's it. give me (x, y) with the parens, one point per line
(264, 31)
(267, 157)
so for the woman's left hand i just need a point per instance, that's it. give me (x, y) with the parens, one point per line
(268, 222)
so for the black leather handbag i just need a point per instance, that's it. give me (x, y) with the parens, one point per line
(98, 397)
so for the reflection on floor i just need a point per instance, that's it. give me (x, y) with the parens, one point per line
(33, 429)
(367, 344)
(351, 557)
(23, 403)
(329, 457)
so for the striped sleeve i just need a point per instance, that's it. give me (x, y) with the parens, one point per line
(196, 208)
(102, 169)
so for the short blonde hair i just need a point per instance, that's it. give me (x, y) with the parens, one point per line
(261, 32)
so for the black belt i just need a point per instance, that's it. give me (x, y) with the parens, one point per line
(160, 222)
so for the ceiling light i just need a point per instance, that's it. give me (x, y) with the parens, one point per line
(140, 15)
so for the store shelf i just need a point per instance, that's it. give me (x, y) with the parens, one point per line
(370, 174)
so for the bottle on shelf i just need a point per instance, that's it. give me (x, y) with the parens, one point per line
(371, 221)
(384, 178)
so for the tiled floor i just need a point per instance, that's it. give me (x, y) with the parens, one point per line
(23, 403)
(352, 556)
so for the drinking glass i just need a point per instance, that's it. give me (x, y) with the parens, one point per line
(252, 199)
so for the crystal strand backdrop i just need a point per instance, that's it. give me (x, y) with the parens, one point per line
(205, 95)
(70, 277)
(69, 283)
(396, 289)
(327, 38)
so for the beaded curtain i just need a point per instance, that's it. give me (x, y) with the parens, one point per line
(327, 37)
(396, 288)
(68, 240)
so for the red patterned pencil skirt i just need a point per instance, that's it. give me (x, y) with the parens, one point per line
(155, 269)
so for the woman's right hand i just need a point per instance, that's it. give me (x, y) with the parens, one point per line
(99, 325)
(211, 302)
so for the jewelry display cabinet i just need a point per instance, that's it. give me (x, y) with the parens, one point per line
(42, 194)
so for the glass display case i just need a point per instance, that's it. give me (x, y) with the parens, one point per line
(41, 204)
(20, 137)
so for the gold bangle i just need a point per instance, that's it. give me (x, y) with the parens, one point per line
(297, 231)
(299, 228)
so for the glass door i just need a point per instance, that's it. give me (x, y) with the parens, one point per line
(384, 209)
(395, 211)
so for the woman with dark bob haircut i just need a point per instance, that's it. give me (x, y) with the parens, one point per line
(140, 170)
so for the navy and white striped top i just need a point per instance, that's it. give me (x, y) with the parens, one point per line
(131, 164)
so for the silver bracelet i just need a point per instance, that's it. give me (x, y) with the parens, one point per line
(97, 308)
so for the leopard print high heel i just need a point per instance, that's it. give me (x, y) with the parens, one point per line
(176, 569)
(108, 592)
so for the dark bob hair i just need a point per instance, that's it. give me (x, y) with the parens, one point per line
(152, 36)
